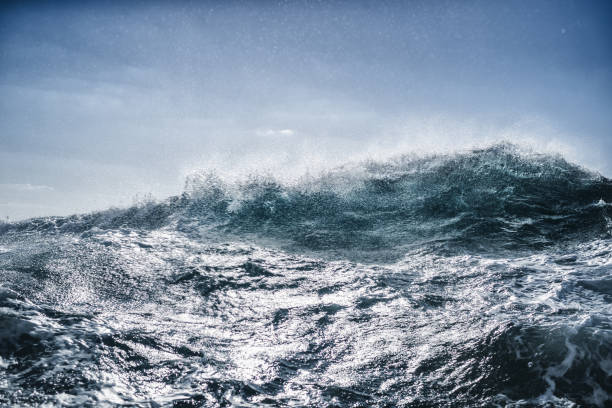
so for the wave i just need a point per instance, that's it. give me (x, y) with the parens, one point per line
(143, 318)
(478, 278)
(500, 197)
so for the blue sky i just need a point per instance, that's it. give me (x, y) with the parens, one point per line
(101, 102)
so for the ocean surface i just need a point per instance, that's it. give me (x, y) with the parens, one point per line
(476, 279)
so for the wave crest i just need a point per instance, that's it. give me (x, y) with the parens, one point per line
(500, 196)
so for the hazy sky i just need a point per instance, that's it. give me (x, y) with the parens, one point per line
(103, 101)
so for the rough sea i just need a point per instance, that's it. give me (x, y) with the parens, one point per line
(475, 279)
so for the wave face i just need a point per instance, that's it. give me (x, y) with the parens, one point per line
(471, 279)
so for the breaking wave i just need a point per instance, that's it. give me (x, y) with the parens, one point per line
(499, 197)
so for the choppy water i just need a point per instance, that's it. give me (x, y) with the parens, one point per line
(474, 279)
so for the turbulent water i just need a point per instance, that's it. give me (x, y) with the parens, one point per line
(481, 278)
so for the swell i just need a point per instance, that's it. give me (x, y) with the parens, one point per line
(499, 197)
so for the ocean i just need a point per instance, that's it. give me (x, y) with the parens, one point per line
(481, 278)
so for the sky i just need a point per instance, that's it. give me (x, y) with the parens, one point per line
(104, 102)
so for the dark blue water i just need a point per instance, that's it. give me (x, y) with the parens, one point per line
(474, 279)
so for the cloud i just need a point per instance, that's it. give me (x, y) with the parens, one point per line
(26, 187)
(275, 132)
